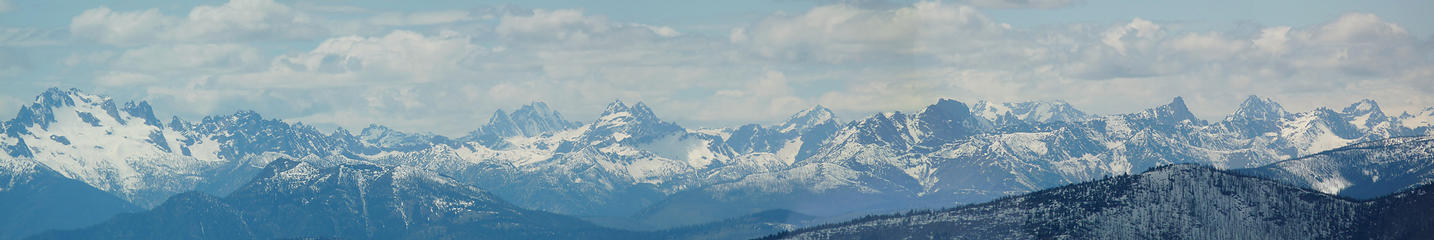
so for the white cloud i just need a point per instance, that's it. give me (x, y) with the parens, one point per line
(5, 6)
(445, 71)
(89, 58)
(421, 18)
(1274, 40)
(120, 28)
(207, 58)
(119, 79)
(26, 37)
(841, 33)
(1022, 3)
(237, 20)
(573, 27)
(1138, 33)
(409, 55)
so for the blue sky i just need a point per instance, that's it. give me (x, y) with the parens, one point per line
(445, 66)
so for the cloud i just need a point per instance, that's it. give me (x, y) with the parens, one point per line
(1022, 3)
(572, 26)
(445, 71)
(237, 20)
(943, 50)
(841, 33)
(5, 6)
(117, 79)
(120, 28)
(207, 58)
(28, 37)
(407, 55)
(388, 79)
(89, 58)
(422, 18)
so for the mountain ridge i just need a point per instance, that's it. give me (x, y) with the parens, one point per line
(630, 163)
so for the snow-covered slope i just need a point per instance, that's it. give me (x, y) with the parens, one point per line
(1175, 202)
(1362, 171)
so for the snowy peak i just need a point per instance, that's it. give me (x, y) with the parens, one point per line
(620, 122)
(619, 114)
(947, 119)
(935, 125)
(54, 97)
(529, 120)
(1364, 114)
(945, 110)
(384, 137)
(1174, 112)
(246, 132)
(808, 118)
(1256, 108)
(1034, 111)
(1363, 107)
(90, 108)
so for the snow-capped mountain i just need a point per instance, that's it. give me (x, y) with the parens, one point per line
(290, 199)
(629, 162)
(1035, 111)
(388, 139)
(128, 152)
(1361, 171)
(528, 121)
(892, 161)
(124, 151)
(1174, 202)
(806, 119)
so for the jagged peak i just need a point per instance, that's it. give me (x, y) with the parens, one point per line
(374, 128)
(532, 119)
(499, 117)
(816, 110)
(498, 114)
(947, 108)
(1362, 107)
(54, 97)
(1255, 107)
(809, 117)
(541, 112)
(341, 132)
(535, 106)
(1037, 111)
(244, 114)
(143, 110)
(1174, 111)
(615, 107)
(639, 110)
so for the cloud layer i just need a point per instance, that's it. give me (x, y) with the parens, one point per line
(446, 70)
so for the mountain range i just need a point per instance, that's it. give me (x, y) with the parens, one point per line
(628, 169)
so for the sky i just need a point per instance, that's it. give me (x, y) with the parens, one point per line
(445, 66)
